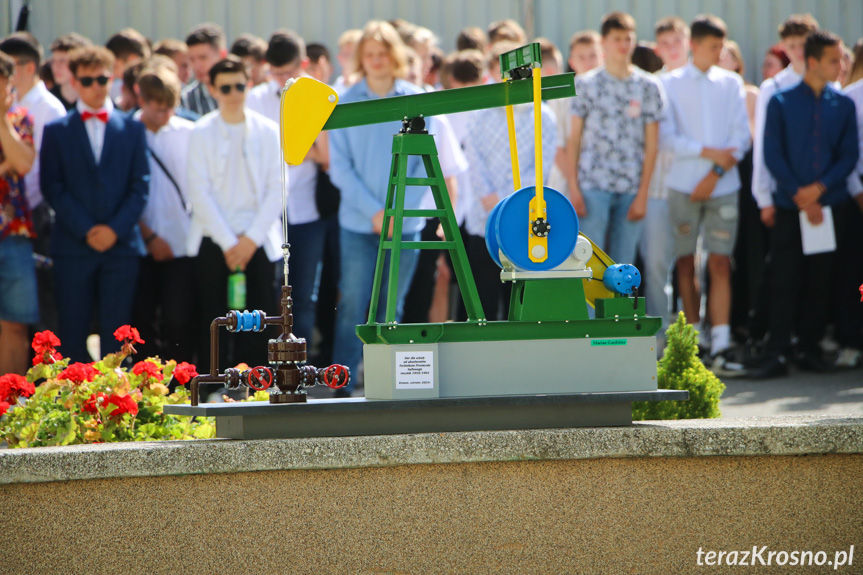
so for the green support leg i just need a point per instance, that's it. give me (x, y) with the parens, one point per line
(395, 169)
(463, 275)
(404, 146)
(396, 250)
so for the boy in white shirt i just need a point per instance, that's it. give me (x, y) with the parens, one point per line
(252, 51)
(307, 233)
(490, 179)
(706, 127)
(234, 184)
(585, 53)
(656, 243)
(165, 309)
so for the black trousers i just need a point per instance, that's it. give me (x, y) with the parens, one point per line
(43, 224)
(749, 294)
(213, 272)
(493, 293)
(328, 294)
(166, 310)
(801, 286)
(419, 297)
(848, 278)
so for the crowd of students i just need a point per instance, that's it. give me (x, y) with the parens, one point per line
(136, 178)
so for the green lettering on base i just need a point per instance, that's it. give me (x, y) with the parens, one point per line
(607, 342)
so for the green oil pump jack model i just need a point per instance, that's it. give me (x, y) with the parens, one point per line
(552, 363)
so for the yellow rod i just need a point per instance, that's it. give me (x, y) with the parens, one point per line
(537, 130)
(513, 148)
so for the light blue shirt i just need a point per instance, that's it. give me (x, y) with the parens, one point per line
(360, 163)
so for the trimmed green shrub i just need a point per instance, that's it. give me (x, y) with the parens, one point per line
(680, 368)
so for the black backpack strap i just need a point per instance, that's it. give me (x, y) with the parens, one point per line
(173, 181)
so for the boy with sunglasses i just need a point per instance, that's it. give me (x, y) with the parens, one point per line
(94, 174)
(234, 188)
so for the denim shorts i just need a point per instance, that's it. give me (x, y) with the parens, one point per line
(715, 219)
(19, 299)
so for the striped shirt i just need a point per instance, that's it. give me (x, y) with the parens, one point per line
(197, 98)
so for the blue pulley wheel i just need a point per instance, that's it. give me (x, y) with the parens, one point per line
(509, 226)
(490, 237)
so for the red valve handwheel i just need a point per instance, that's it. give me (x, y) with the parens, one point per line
(336, 376)
(260, 378)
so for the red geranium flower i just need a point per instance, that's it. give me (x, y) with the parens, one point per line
(45, 341)
(79, 373)
(43, 344)
(127, 333)
(4, 407)
(48, 357)
(184, 372)
(148, 369)
(92, 404)
(13, 386)
(124, 403)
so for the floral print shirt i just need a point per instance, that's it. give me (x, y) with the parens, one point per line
(14, 212)
(615, 112)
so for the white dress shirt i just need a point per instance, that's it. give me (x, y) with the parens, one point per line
(763, 184)
(94, 126)
(450, 155)
(657, 190)
(165, 213)
(217, 210)
(460, 122)
(43, 107)
(705, 110)
(560, 108)
(855, 92)
(302, 209)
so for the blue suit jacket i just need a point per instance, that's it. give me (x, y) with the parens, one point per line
(84, 193)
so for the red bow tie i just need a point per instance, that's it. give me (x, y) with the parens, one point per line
(103, 115)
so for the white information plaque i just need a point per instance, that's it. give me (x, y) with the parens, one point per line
(414, 370)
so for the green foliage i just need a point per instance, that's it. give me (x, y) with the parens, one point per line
(58, 412)
(680, 368)
(101, 401)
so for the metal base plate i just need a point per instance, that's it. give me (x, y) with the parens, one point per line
(360, 416)
(518, 367)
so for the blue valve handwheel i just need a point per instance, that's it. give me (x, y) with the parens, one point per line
(510, 224)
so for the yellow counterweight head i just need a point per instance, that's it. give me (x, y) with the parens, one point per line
(306, 107)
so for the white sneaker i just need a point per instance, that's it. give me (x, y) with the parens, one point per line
(829, 345)
(848, 358)
(722, 364)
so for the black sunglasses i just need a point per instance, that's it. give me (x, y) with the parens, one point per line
(226, 89)
(87, 81)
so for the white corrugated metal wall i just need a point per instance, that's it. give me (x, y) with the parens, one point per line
(751, 22)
